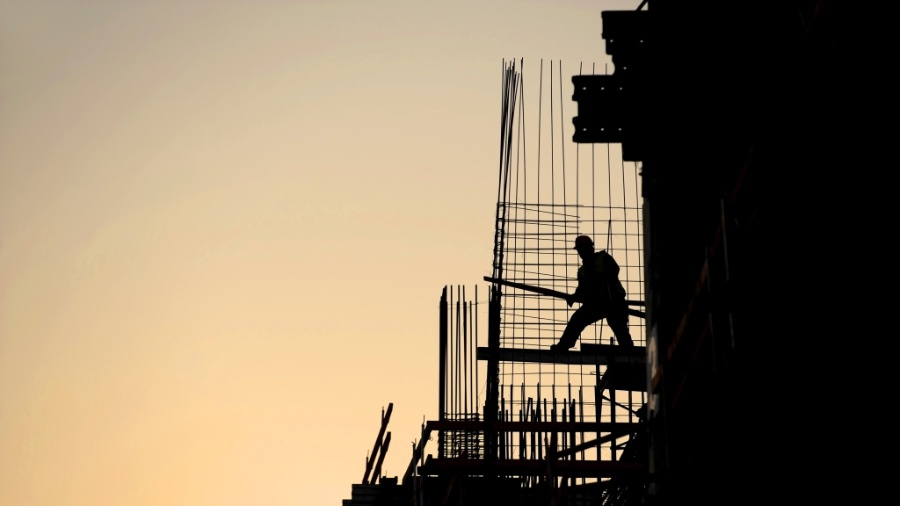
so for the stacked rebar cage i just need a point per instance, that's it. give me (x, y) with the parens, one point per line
(550, 190)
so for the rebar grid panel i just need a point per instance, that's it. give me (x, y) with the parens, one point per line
(459, 370)
(546, 259)
(551, 190)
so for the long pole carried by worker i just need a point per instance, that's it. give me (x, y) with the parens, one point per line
(558, 294)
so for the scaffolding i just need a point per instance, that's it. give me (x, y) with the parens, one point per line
(511, 411)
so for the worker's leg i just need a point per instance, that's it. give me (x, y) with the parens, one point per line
(618, 322)
(581, 318)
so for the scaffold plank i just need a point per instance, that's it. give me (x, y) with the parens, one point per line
(597, 354)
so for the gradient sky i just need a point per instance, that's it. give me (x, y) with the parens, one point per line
(225, 227)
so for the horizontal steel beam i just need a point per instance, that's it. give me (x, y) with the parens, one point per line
(598, 354)
(621, 428)
(563, 468)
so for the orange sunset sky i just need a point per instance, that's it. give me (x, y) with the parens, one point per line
(225, 227)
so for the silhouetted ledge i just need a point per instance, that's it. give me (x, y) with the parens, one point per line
(598, 354)
(616, 429)
(567, 468)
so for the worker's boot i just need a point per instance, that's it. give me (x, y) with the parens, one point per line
(559, 347)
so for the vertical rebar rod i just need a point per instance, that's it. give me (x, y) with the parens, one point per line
(477, 406)
(442, 369)
(465, 356)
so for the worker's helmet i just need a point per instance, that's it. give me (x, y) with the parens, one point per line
(583, 241)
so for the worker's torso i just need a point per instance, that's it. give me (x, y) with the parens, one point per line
(599, 277)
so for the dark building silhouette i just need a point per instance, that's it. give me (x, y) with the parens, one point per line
(750, 172)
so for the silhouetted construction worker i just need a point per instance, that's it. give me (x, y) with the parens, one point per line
(600, 293)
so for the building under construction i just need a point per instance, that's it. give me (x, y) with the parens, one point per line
(706, 163)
